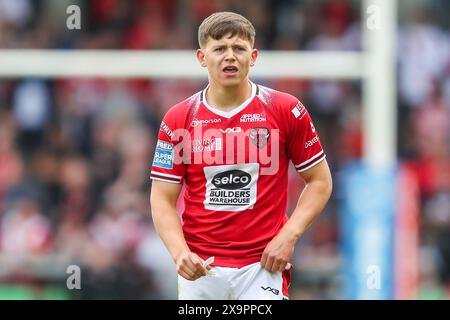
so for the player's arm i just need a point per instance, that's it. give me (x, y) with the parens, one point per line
(313, 199)
(310, 203)
(163, 199)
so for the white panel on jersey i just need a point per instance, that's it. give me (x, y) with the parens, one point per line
(231, 187)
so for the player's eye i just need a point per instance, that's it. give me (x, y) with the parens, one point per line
(220, 49)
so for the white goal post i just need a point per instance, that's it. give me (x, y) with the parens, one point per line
(172, 64)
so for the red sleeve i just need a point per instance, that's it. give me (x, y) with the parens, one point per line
(304, 147)
(166, 165)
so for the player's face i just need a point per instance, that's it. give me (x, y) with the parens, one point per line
(228, 60)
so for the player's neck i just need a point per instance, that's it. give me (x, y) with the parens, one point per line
(228, 98)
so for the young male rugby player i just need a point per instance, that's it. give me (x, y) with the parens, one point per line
(230, 145)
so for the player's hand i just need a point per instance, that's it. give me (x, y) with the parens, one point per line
(190, 266)
(278, 253)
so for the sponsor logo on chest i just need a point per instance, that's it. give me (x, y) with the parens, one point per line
(231, 187)
(203, 122)
(207, 144)
(253, 117)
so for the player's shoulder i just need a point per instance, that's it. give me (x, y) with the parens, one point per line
(182, 111)
(276, 99)
(281, 102)
(285, 106)
(187, 104)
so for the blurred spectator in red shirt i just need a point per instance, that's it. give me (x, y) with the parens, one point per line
(25, 231)
(431, 125)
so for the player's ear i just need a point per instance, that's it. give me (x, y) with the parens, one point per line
(254, 56)
(201, 57)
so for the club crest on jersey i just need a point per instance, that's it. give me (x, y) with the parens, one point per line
(259, 136)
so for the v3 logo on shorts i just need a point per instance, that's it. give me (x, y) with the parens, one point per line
(274, 291)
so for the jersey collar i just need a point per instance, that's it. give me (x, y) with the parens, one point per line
(231, 113)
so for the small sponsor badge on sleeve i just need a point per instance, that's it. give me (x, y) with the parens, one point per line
(163, 157)
(299, 111)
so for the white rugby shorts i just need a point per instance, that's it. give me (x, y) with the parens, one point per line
(251, 282)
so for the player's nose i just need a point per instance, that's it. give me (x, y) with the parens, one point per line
(229, 54)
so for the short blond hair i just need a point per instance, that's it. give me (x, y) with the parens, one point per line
(220, 24)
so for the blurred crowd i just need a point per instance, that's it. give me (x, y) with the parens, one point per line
(75, 153)
(424, 136)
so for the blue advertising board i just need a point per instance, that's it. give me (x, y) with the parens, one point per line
(367, 226)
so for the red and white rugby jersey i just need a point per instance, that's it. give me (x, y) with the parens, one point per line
(235, 169)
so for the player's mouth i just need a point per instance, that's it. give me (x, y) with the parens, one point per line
(230, 70)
